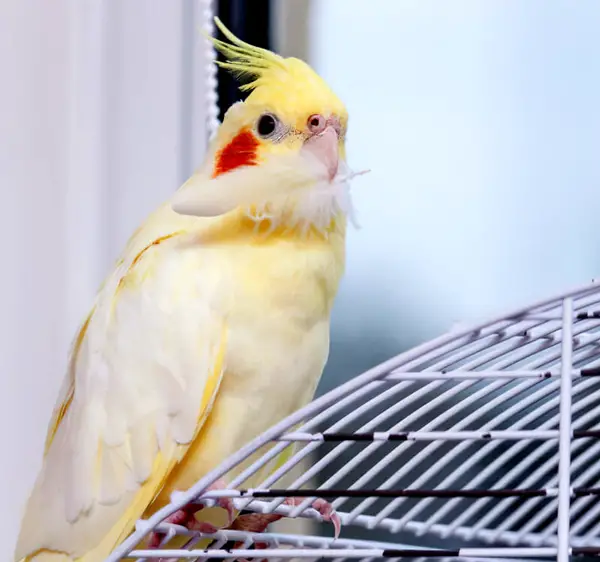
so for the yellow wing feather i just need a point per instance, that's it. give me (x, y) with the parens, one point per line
(46, 534)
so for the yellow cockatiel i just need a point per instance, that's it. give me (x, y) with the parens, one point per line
(214, 323)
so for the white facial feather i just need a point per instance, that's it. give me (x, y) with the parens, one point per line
(291, 190)
(314, 204)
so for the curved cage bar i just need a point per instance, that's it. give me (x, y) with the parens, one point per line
(480, 444)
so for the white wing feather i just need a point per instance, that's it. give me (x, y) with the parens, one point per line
(140, 376)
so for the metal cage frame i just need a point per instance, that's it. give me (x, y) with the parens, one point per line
(509, 407)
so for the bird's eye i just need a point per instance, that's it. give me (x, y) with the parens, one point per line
(266, 126)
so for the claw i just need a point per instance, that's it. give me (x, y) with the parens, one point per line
(258, 522)
(325, 509)
(328, 514)
(224, 503)
(228, 505)
(186, 517)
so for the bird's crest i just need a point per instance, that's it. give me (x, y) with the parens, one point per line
(246, 61)
(288, 84)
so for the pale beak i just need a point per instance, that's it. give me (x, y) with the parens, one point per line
(324, 147)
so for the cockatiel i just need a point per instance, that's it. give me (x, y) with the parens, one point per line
(213, 325)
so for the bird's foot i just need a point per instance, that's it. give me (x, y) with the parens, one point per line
(186, 517)
(258, 522)
(326, 510)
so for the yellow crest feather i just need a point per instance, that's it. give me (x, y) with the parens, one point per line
(288, 86)
(245, 60)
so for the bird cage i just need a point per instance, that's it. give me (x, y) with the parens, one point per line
(480, 444)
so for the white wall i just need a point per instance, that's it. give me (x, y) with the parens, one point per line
(103, 111)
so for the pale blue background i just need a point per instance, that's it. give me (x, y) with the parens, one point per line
(480, 121)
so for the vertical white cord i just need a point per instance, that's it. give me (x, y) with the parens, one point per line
(564, 445)
(212, 98)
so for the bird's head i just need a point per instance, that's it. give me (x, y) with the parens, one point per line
(280, 154)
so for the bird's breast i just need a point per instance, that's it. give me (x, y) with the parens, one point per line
(278, 307)
(280, 310)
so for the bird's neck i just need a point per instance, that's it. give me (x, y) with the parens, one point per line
(244, 225)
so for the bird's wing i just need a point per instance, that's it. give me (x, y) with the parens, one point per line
(68, 387)
(144, 371)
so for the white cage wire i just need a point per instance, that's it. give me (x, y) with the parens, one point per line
(479, 444)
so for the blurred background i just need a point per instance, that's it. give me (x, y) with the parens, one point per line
(479, 121)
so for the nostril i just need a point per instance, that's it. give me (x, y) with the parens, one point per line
(316, 123)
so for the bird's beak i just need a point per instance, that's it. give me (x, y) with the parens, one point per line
(324, 147)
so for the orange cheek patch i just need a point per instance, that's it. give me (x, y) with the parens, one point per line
(241, 151)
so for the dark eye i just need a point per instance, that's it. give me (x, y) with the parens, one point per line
(266, 125)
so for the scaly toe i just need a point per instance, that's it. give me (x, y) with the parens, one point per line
(202, 527)
(324, 508)
(228, 505)
(328, 514)
(180, 517)
(184, 517)
(255, 522)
